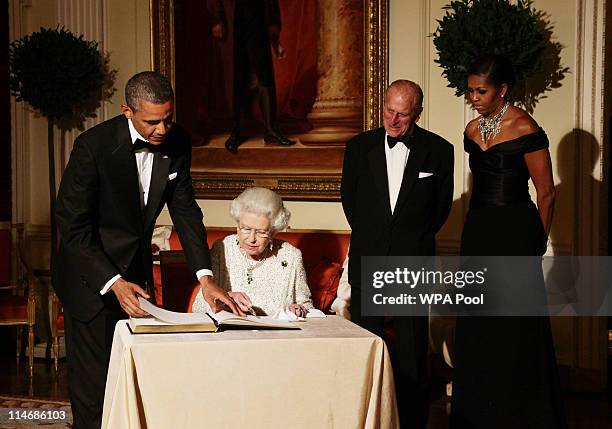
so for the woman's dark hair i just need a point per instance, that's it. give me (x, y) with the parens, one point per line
(496, 68)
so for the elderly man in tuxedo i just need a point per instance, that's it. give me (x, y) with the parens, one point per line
(397, 190)
(120, 174)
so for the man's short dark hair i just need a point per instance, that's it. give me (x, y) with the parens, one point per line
(148, 86)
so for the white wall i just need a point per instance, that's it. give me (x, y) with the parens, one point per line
(304, 215)
(128, 40)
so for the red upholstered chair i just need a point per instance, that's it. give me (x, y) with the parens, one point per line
(315, 245)
(17, 303)
(323, 281)
(322, 252)
(177, 280)
(194, 293)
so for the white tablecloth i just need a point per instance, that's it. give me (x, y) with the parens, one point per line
(330, 374)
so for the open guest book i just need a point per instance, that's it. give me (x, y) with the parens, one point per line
(163, 321)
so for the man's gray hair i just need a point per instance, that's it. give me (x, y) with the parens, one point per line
(409, 86)
(261, 201)
(148, 86)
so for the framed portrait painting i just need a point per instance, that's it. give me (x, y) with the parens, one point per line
(271, 90)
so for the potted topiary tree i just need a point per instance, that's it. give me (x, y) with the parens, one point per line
(64, 78)
(515, 30)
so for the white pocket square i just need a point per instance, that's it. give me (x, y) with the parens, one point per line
(423, 175)
(172, 176)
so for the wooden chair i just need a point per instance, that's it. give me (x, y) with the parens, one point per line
(17, 301)
(56, 322)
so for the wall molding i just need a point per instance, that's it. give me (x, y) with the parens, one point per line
(425, 47)
(20, 124)
(589, 117)
(89, 18)
(588, 335)
(37, 233)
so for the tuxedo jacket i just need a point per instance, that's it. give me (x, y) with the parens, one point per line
(103, 229)
(423, 203)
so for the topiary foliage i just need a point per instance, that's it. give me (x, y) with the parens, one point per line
(471, 28)
(59, 74)
(65, 78)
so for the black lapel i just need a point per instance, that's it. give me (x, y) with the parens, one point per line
(418, 153)
(124, 173)
(378, 166)
(159, 179)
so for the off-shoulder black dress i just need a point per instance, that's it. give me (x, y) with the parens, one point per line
(505, 369)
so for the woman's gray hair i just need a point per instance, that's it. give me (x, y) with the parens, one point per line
(261, 201)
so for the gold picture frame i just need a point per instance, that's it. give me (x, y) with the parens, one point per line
(314, 181)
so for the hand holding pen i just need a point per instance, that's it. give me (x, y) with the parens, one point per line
(243, 301)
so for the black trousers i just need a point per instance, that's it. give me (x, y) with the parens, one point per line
(408, 346)
(88, 348)
(252, 56)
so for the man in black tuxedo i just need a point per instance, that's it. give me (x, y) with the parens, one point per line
(397, 191)
(120, 175)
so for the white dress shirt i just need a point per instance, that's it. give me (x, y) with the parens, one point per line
(144, 164)
(396, 163)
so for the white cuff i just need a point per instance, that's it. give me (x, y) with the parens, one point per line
(109, 283)
(202, 273)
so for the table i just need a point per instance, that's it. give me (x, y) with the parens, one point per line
(330, 374)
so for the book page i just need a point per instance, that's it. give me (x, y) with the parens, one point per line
(173, 317)
(151, 325)
(226, 317)
(136, 321)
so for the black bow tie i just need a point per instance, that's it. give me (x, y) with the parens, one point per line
(405, 139)
(141, 144)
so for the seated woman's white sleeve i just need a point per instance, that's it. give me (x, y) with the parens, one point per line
(200, 305)
(302, 291)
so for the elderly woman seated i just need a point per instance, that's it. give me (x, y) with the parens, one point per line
(263, 275)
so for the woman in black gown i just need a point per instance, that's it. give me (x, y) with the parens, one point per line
(505, 368)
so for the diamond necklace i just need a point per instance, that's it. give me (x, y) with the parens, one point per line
(250, 267)
(489, 128)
